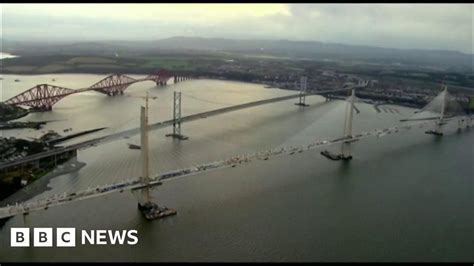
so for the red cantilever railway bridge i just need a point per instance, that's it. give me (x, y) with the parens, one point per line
(42, 97)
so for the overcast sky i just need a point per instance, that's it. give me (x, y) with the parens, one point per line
(422, 26)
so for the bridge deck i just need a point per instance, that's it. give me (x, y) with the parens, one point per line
(159, 125)
(131, 184)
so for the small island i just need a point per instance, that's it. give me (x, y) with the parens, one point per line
(11, 112)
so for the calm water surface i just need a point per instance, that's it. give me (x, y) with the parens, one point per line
(405, 197)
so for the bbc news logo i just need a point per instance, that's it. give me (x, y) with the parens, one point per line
(66, 237)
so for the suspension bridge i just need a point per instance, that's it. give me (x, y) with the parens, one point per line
(145, 182)
(175, 122)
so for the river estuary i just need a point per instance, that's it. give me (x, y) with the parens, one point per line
(404, 197)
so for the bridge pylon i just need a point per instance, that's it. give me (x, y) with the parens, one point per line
(145, 178)
(177, 117)
(345, 153)
(303, 88)
(437, 130)
(346, 145)
(149, 209)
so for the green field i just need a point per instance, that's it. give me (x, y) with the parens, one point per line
(96, 64)
(172, 64)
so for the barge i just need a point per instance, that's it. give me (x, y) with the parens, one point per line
(432, 132)
(152, 211)
(335, 157)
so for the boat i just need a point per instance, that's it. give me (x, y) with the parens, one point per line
(345, 158)
(133, 146)
(17, 80)
(335, 157)
(160, 214)
(432, 132)
(152, 211)
(329, 155)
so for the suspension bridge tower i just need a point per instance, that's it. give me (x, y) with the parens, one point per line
(303, 89)
(177, 117)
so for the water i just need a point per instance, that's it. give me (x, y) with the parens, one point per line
(405, 197)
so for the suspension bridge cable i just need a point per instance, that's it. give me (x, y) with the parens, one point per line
(204, 100)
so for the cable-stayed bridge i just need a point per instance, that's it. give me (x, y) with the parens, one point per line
(144, 183)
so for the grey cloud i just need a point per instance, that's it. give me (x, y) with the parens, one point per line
(447, 27)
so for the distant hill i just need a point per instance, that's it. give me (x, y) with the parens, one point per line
(318, 50)
(280, 48)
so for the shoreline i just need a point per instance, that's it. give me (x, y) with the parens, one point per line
(265, 84)
(40, 184)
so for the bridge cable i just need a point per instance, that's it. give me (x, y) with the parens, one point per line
(204, 100)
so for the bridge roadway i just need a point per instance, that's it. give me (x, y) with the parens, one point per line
(167, 123)
(133, 184)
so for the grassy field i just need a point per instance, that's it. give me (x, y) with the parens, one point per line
(95, 64)
(90, 60)
(50, 68)
(176, 64)
(229, 64)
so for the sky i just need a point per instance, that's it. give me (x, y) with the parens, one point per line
(404, 26)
